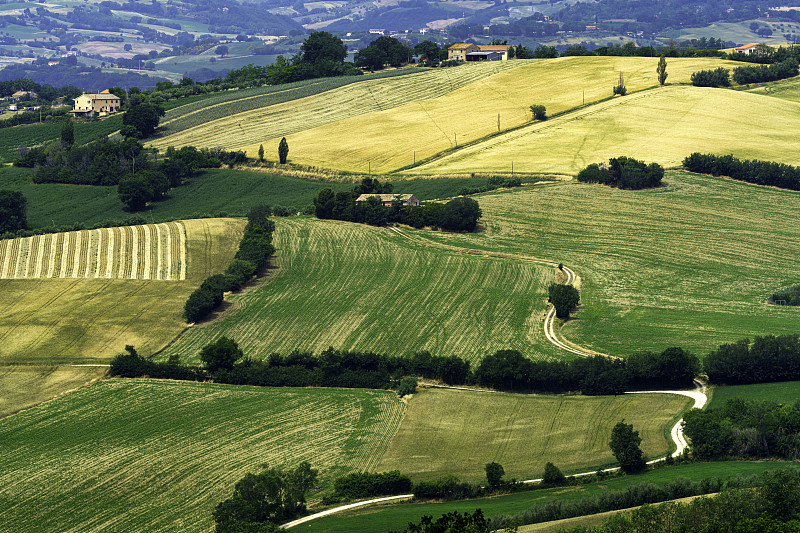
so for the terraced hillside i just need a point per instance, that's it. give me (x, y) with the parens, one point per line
(663, 125)
(147, 252)
(82, 296)
(689, 264)
(250, 120)
(353, 286)
(458, 432)
(140, 455)
(396, 137)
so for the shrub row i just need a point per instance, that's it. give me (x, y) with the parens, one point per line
(364, 485)
(623, 173)
(255, 248)
(767, 359)
(790, 296)
(764, 73)
(751, 171)
(719, 77)
(632, 496)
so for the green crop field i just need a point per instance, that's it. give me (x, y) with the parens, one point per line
(140, 455)
(353, 286)
(785, 89)
(245, 125)
(397, 516)
(210, 192)
(421, 129)
(690, 264)
(23, 386)
(458, 432)
(784, 392)
(87, 306)
(662, 125)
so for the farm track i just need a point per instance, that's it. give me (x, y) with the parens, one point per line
(147, 252)
(676, 434)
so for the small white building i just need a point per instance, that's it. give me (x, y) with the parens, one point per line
(88, 104)
(387, 199)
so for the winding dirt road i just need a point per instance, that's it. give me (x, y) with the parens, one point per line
(698, 394)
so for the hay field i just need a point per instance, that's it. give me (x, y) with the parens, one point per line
(663, 125)
(785, 89)
(240, 125)
(458, 432)
(394, 138)
(80, 319)
(353, 286)
(23, 386)
(142, 455)
(689, 264)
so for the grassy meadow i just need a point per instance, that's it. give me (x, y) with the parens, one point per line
(91, 320)
(397, 516)
(144, 455)
(691, 263)
(23, 386)
(353, 286)
(783, 392)
(784, 89)
(422, 128)
(663, 125)
(458, 432)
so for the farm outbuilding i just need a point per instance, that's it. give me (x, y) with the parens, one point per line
(478, 52)
(387, 199)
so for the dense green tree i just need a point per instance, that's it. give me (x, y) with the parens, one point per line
(221, 50)
(199, 305)
(135, 191)
(13, 206)
(283, 151)
(427, 50)
(258, 215)
(408, 385)
(381, 51)
(320, 46)
(564, 298)
(144, 117)
(221, 354)
(544, 52)
(460, 214)
(453, 522)
(262, 501)
(539, 112)
(323, 204)
(260, 153)
(552, 475)
(68, 133)
(624, 445)
(661, 70)
(494, 474)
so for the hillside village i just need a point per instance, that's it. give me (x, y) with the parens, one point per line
(491, 267)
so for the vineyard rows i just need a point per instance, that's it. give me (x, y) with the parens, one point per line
(146, 252)
(243, 123)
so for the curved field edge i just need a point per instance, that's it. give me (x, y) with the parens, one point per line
(357, 287)
(23, 386)
(158, 456)
(397, 516)
(787, 392)
(691, 263)
(458, 432)
(391, 139)
(661, 125)
(91, 320)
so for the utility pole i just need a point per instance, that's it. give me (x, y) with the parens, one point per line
(498, 122)
(455, 135)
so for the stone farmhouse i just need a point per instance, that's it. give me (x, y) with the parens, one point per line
(387, 199)
(478, 52)
(88, 104)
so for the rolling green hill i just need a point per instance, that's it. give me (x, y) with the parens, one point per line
(140, 455)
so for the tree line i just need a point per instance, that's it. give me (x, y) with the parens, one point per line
(764, 73)
(623, 173)
(766, 359)
(749, 170)
(254, 252)
(459, 214)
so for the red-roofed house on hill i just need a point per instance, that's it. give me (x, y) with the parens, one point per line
(746, 49)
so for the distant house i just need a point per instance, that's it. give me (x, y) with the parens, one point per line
(88, 105)
(746, 49)
(387, 199)
(23, 95)
(478, 52)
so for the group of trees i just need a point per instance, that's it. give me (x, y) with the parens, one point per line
(564, 298)
(624, 173)
(369, 485)
(385, 50)
(13, 211)
(510, 370)
(459, 214)
(765, 73)
(749, 170)
(254, 251)
(718, 77)
(789, 296)
(766, 359)
(745, 428)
